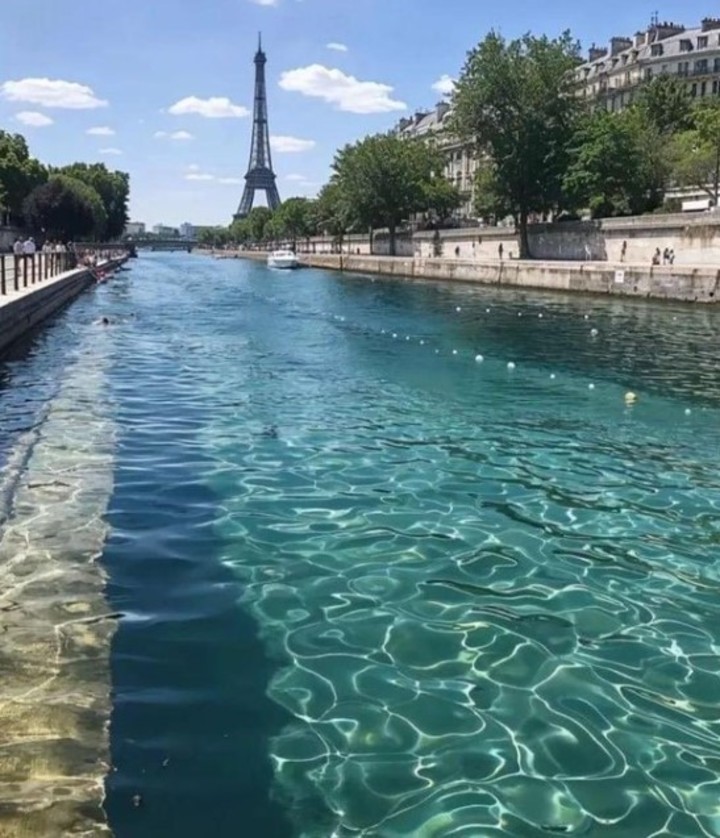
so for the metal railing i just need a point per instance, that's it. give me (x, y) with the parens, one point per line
(25, 270)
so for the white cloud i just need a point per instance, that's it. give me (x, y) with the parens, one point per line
(290, 145)
(265, 2)
(199, 176)
(193, 167)
(173, 135)
(337, 47)
(230, 180)
(114, 151)
(216, 107)
(101, 131)
(296, 178)
(33, 118)
(445, 85)
(51, 93)
(345, 92)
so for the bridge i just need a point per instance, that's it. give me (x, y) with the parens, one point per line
(141, 244)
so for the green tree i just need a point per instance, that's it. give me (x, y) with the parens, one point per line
(491, 203)
(214, 237)
(65, 208)
(112, 187)
(256, 220)
(334, 214)
(515, 100)
(442, 198)
(293, 219)
(240, 231)
(386, 179)
(695, 153)
(19, 175)
(617, 164)
(667, 104)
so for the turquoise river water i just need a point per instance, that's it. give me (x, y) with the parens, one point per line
(372, 584)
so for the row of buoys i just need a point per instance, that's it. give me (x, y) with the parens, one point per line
(630, 397)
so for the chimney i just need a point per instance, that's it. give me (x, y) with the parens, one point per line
(661, 31)
(441, 109)
(419, 115)
(597, 52)
(709, 23)
(619, 45)
(640, 39)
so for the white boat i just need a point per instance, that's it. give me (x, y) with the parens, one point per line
(282, 259)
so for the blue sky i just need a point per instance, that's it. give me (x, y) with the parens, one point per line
(163, 86)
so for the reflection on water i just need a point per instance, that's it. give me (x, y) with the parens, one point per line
(481, 601)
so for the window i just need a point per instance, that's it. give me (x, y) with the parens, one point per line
(693, 90)
(686, 45)
(716, 68)
(656, 49)
(702, 42)
(701, 67)
(683, 68)
(703, 88)
(648, 74)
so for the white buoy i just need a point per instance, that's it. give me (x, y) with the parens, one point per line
(591, 386)
(454, 351)
(540, 316)
(407, 337)
(479, 359)
(383, 331)
(394, 334)
(422, 343)
(519, 314)
(630, 398)
(457, 308)
(511, 365)
(594, 332)
(587, 316)
(552, 376)
(437, 351)
(487, 311)
(687, 411)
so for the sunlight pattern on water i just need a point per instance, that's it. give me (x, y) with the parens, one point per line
(496, 594)
(489, 591)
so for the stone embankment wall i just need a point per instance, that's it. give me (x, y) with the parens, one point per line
(694, 238)
(671, 283)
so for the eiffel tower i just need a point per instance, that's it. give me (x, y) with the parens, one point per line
(260, 173)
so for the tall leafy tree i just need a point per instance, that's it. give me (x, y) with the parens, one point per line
(334, 213)
(617, 164)
(293, 219)
(515, 100)
(696, 153)
(386, 179)
(113, 188)
(65, 208)
(667, 104)
(257, 220)
(19, 175)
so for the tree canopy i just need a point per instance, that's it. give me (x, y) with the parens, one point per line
(695, 153)
(19, 174)
(667, 104)
(113, 189)
(385, 179)
(617, 164)
(65, 208)
(515, 101)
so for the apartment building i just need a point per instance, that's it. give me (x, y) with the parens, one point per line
(613, 74)
(460, 162)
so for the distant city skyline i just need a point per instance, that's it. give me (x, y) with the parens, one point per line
(166, 93)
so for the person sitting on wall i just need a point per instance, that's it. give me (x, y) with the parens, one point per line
(656, 256)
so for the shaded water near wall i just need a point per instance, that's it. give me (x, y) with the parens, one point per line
(371, 583)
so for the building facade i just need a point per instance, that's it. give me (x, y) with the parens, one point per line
(613, 74)
(460, 161)
(165, 231)
(134, 228)
(188, 231)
